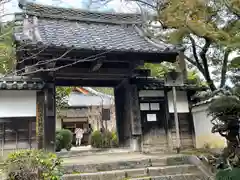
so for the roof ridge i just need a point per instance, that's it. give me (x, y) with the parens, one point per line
(47, 11)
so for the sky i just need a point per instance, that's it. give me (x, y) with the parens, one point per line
(120, 6)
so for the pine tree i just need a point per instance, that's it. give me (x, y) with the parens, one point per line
(209, 30)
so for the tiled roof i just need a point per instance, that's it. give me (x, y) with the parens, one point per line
(54, 26)
(20, 83)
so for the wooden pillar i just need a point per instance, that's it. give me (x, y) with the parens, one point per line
(136, 126)
(49, 117)
(128, 116)
(167, 119)
(39, 119)
(123, 127)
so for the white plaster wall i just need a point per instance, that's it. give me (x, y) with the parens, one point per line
(203, 127)
(182, 102)
(17, 103)
(58, 123)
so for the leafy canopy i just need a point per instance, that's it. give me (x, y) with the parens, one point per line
(209, 30)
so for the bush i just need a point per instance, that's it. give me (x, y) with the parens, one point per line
(104, 140)
(114, 139)
(96, 139)
(32, 165)
(232, 174)
(64, 139)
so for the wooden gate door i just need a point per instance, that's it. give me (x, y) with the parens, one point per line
(153, 125)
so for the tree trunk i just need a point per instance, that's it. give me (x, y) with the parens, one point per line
(205, 65)
(224, 69)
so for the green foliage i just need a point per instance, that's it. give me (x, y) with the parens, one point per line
(194, 79)
(232, 174)
(64, 139)
(104, 139)
(225, 111)
(96, 139)
(7, 51)
(114, 139)
(225, 106)
(235, 63)
(157, 70)
(62, 94)
(33, 165)
(201, 27)
(202, 19)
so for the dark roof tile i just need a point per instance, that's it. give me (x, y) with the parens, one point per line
(20, 83)
(87, 30)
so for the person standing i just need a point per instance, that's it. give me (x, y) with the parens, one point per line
(79, 135)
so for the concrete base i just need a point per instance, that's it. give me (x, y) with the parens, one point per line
(136, 144)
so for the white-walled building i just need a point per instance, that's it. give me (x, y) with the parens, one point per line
(18, 116)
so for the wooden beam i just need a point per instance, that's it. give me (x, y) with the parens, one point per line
(83, 54)
(107, 71)
(85, 82)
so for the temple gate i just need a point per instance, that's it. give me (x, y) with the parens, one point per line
(65, 47)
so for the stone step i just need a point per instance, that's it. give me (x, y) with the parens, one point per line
(135, 173)
(189, 176)
(110, 166)
(120, 165)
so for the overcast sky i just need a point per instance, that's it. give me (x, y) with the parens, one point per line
(97, 5)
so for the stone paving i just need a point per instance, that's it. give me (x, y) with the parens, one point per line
(110, 157)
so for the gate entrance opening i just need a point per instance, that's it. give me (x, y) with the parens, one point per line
(66, 47)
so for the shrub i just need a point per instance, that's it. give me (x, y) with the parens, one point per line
(59, 139)
(105, 139)
(114, 139)
(32, 165)
(232, 174)
(96, 139)
(64, 139)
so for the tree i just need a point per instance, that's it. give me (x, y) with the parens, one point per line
(225, 113)
(62, 94)
(7, 52)
(208, 29)
(159, 71)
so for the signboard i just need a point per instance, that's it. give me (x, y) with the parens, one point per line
(106, 114)
(151, 117)
(174, 78)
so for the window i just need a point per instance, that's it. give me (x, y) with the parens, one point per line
(149, 106)
(154, 106)
(144, 107)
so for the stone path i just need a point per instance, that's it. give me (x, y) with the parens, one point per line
(109, 157)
